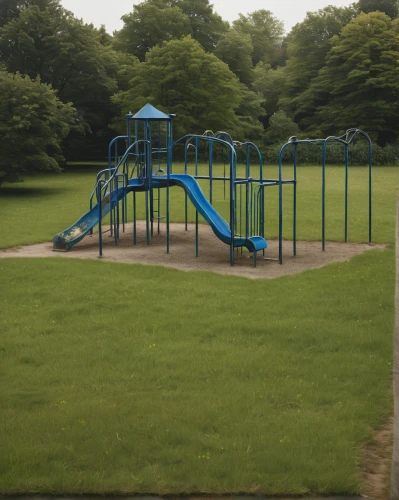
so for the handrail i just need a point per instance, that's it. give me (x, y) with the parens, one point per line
(114, 172)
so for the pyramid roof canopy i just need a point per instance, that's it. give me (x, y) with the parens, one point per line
(150, 113)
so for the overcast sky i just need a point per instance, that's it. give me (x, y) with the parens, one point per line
(109, 12)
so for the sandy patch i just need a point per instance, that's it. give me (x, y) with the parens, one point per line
(377, 464)
(213, 254)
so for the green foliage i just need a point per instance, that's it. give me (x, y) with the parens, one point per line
(33, 123)
(358, 154)
(151, 23)
(207, 26)
(360, 82)
(268, 83)
(281, 128)
(389, 7)
(11, 9)
(180, 77)
(249, 113)
(65, 53)
(235, 49)
(308, 46)
(266, 34)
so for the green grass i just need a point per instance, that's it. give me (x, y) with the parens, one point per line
(128, 378)
(42, 206)
(121, 378)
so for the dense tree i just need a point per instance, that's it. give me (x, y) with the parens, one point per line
(389, 7)
(180, 77)
(249, 113)
(33, 122)
(10, 9)
(308, 45)
(266, 34)
(268, 83)
(281, 128)
(206, 25)
(359, 86)
(235, 49)
(151, 23)
(67, 54)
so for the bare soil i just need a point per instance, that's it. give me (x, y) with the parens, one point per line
(213, 254)
(377, 459)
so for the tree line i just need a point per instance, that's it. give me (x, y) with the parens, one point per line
(66, 86)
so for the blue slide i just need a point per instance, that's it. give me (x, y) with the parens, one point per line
(68, 238)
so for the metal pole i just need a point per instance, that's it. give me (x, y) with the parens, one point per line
(370, 189)
(100, 216)
(210, 171)
(295, 200)
(232, 203)
(186, 147)
(280, 208)
(196, 234)
(323, 197)
(134, 219)
(247, 210)
(346, 191)
(169, 165)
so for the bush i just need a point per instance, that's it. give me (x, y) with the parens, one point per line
(312, 154)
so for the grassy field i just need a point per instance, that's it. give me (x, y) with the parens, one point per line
(125, 378)
(39, 208)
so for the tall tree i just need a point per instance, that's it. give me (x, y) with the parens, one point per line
(33, 122)
(10, 9)
(280, 129)
(266, 33)
(206, 25)
(180, 77)
(359, 86)
(249, 113)
(308, 45)
(389, 7)
(65, 53)
(268, 83)
(235, 49)
(151, 23)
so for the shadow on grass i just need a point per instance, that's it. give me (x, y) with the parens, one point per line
(31, 192)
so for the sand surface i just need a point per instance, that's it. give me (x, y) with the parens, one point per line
(213, 254)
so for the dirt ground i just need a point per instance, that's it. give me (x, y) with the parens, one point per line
(377, 463)
(213, 254)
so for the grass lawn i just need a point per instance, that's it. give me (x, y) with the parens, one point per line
(39, 208)
(122, 378)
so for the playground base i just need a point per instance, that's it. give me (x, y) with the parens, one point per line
(212, 252)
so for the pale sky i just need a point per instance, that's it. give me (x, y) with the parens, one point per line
(109, 12)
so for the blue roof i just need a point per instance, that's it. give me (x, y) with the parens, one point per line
(150, 113)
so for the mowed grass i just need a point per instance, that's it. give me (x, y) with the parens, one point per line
(122, 378)
(42, 206)
(126, 378)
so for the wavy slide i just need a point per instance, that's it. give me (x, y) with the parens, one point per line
(68, 238)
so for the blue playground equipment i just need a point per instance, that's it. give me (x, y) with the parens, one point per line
(145, 166)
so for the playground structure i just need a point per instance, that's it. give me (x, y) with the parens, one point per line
(140, 168)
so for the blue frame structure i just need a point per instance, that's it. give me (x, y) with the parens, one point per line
(135, 162)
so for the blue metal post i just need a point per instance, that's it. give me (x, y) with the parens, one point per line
(346, 190)
(280, 207)
(323, 197)
(232, 202)
(100, 218)
(370, 189)
(210, 171)
(196, 211)
(134, 219)
(169, 166)
(294, 238)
